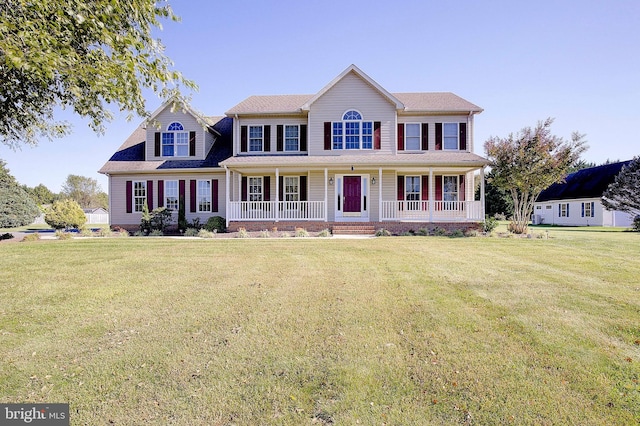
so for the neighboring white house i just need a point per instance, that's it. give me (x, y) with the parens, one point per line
(351, 153)
(577, 201)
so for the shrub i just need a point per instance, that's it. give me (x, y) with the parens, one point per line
(145, 220)
(636, 224)
(85, 232)
(425, 232)
(122, 233)
(196, 224)
(31, 237)
(182, 217)
(301, 233)
(203, 233)
(160, 219)
(61, 235)
(440, 232)
(242, 233)
(104, 232)
(264, 234)
(216, 223)
(191, 232)
(6, 236)
(156, 233)
(383, 233)
(65, 214)
(458, 233)
(490, 223)
(285, 235)
(324, 233)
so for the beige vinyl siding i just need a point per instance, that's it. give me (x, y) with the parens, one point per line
(189, 123)
(433, 119)
(118, 196)
(266, 121)
(351, 93)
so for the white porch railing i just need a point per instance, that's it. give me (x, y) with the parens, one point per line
(276, 210)
(432, 211)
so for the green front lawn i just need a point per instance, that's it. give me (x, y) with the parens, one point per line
(401, 330)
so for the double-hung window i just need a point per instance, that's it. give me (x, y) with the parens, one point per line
(171, 194)
(204, 195)
(255, 138)
(139, 195)
(352, 132)
(175, 141)
(450, 192)
(255, 189)
(587, 209)
(292, 138)
(412, 192)
(412, 137)
(563, 209)
(291, 188)
(450, 135)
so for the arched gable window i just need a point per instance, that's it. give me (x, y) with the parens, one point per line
(352, 132)
(175, 141)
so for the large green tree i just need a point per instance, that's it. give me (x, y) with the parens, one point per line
(527, 162)
(624, 193)
(85, 191)
(81, 55)
(16, 206)
(65, 214)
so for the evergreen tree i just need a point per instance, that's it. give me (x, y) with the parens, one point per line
(65, 214)
(16, 206)
(624, 193)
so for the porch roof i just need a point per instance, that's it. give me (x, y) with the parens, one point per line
(422, 159)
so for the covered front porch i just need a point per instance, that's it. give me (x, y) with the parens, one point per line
(352, 195)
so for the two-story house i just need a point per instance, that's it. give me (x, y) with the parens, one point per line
(351, 153)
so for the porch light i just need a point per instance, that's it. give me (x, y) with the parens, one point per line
(331, 181)
(373, 181)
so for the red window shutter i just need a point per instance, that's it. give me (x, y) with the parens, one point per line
(245, 189)
(157, 151)
(192, 144)
(327, 136)
(400, 188)
(400, 137)
(279, 137)
(439, 136)
(377, 139)
(192, 195)
(425, 187)
(214, 194)
(243, 138)
(439, 188)
(160, 193)
(463, 136)
(129, 195)
(281, 188)
(150, 194)
(425, 136)
(266, 190)
(267, 138)
(461, 190)
(303, 137)
(303, 188)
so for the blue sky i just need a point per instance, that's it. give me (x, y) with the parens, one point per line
(576, 61)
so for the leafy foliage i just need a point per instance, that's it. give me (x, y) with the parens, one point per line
(156, 221)
(16, 206)
(85, 191)
(525, 163)
(65, 214)
(624, 193)
(216, 223)
(496, 200)
(41, 195)
(98, 52)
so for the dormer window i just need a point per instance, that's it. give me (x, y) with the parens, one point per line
(352, 132)
(175, 141)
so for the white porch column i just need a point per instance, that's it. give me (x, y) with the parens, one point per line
(277, 213)
(227, 194)
(482, 192)
(326, 191)
(380, 194)
(432, 185)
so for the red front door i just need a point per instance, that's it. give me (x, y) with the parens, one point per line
(352, 194)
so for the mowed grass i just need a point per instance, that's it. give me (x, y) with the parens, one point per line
(398, 331)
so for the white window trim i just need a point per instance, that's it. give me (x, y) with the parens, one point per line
(457, 186)
(284, 137)
(249, 186)
(564, 209)
(361, 135)
(457, 148)
(419, 137)
(175, 140)
(166, 194)
(136, 196)
(200, 197)
(261, 138)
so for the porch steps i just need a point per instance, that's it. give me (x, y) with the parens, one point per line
(353, 229)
